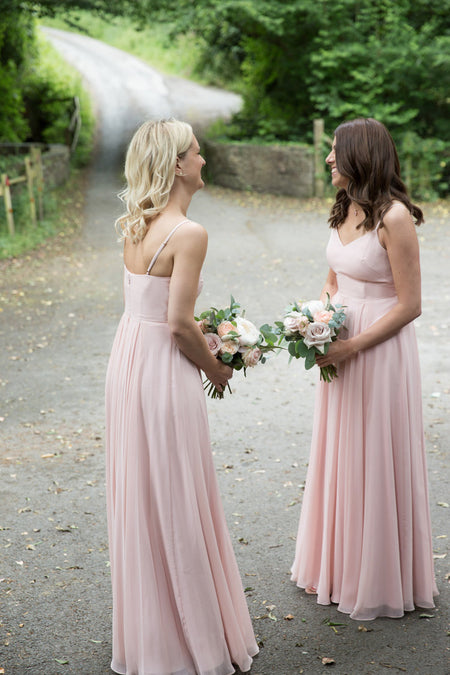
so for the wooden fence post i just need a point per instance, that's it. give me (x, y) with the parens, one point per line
(8, 204)
(319, 186)
(75, 123)
(29, 172)
(37, 161)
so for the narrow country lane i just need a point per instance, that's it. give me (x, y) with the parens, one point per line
(58, 315)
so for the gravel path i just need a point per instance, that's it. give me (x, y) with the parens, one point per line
(59, 312)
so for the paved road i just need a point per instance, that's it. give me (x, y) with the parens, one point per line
(57, 324)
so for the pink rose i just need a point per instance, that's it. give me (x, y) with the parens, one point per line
(317, 335)
(224, 328)
(229, 347)
(323, 316)
(214, 343)
(295, 322)
(251, 357)
(302, 324)
(290, 322)
(204, 325)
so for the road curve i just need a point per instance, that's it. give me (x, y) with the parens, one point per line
(126, 91)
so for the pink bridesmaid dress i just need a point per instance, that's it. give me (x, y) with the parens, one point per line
(364, 538)
(178, 601)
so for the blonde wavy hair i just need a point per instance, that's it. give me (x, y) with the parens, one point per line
(150, 173)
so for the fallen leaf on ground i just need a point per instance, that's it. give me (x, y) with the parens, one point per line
(328, 622)
(326, 661)
(289, 617)
(387, 665)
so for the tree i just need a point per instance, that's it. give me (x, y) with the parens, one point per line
(302, 59)
(21, 92)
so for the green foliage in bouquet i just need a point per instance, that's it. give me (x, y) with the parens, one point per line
(309, 329)
(235, 340)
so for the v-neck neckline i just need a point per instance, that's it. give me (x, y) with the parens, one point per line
(350, 242)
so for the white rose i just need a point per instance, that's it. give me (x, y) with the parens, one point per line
(313, 306)
(291, 322)
(248, 333)
(317, 335)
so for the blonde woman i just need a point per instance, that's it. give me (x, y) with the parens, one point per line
(178, 601)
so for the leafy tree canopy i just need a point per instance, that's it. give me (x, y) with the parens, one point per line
(303, 59)
(51, 7)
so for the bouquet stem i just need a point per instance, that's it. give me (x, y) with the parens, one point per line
(212, 391)
(328, 373)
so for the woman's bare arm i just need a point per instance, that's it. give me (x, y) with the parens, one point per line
(189, 254)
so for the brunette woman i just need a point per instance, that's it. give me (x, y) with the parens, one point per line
(364, 539)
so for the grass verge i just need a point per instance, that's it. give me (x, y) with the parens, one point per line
(61, 205)
(63, 219)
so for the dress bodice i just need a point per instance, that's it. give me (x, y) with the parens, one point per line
(362, 267)
(147, 296)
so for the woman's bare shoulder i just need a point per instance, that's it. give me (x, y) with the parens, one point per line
(397, 212)
(190, 229)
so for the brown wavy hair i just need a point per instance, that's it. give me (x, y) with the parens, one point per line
(365, 154)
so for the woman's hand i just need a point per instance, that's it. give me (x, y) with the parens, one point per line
(338, 351)
(220, 375)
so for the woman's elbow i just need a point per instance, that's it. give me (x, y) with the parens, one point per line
(408, 312)
(417, 312)
(414, 311)
(178, 328)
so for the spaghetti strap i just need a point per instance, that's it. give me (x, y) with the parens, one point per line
(155, 257)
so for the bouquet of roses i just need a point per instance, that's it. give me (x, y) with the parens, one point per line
(309, 328)
(235, 340)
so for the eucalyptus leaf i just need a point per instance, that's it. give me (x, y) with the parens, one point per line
(292, 350)
(301, 349)
(310, 359)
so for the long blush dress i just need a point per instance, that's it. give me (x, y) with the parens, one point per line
(178, 601)
(364, 538)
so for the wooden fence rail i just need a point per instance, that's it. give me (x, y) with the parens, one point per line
(34, 175)
(34, 178)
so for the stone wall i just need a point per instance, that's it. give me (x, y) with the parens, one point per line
(277, 169)
(56, 164)
(55, 160)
